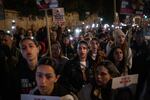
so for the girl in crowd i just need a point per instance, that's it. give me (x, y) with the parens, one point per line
(120, 40)
(117, 57)
(100, 89)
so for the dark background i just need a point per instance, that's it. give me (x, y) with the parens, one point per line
(104, 8)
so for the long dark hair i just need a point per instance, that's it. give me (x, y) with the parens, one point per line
(121, 65)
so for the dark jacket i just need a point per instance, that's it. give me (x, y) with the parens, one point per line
(72, 77)
(102, 93)
(8, 60)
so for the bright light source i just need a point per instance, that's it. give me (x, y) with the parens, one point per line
(101, 19)
(145, 16)
(93, 25)
(97, 25)
(133, 25)
(117, 27)
(71, 38)
(32, 37)
(80, 30)
(13, 27)
(112, 26)
(69, 30)
(87, 27)
(83, 23)
(106, 26)
(13, 21)
(8, 31)
(122, 24)
(77, 32)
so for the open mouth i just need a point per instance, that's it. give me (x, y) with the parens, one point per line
(43, 87)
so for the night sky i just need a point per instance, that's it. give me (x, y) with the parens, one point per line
(101, 7)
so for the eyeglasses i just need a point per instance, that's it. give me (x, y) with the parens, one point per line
(47, 75)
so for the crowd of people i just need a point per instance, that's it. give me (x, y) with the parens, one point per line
(78, 69)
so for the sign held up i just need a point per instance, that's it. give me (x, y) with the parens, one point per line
(124, 81)
(36, 97)
(58, 15)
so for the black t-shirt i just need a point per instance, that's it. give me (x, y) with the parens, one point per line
(26, 77)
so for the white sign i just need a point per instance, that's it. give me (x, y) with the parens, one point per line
(124, 81)
(58, 15)
(36, 97)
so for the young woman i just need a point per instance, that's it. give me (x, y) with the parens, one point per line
(120, 40)
(117, 57)
(100, 89)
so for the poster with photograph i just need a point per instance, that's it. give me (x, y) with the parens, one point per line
(58, 15)
(46, 4)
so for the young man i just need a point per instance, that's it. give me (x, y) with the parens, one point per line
(46, 79)
(78, 71)
(27, 66)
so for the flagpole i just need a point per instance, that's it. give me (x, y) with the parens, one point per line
(48, 34)
(114, 9)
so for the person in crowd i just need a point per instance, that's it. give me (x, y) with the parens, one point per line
(81, 37)
(147, 86)
(53, 36)
(19, 35)
(3, 75)
(11, 50)
(7, 76)
(30, 33)
(117, 57)
(27, 65)
(103, 40)
(100, 88)
(46, 79)
(1, 35)
(79, 70)
(41, 37)
(95, 52)
(43, 49)
(67, 48)
(57, 55)
(140, 54)
(11, 56)
(120, 40)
